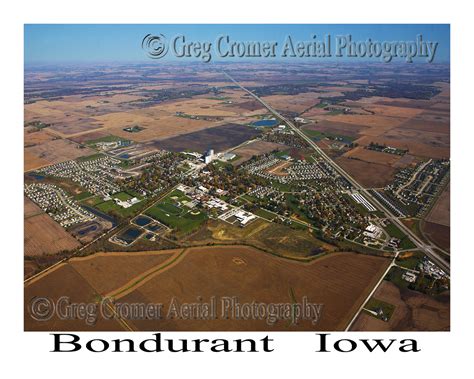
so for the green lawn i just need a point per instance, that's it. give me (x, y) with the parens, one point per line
(112, 208)
(169, 212)
(90, 157)
(182, 223)
(317, 135)
(411, 261)
(394, 231)
(110, 138)
(82, 196)
(265, 214)
(375, 304)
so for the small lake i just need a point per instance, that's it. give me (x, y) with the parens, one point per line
(263, 123)
(142, 220)
(130, 235)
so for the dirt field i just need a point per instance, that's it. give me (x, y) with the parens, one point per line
(255, 148)
(417, 143)
(218, 138)
(64, 281)
(413, 311)
(294, 103)
(343, 280)
(370, 175)
(338, 128)
(372, 156)
(441, 210)
(439, 234)
(108, 271)
(76, 117)
(276, 238)
(52, 152)
(43, 235)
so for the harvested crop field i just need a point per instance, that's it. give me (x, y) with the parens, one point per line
(417, 143)
(370, 175)
(51, 152)
(293, 103)
(413, 311)
(337, 128)
(441, 210)
(439, 234)
(218, 138)
(108, 271)
(43, 235)
(340, 281)
(372, 156)
(63, 281)
(159, 127)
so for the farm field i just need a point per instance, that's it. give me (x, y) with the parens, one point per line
(220, 138)
(343, 280)
(372, 156)
(439, 234)
(64, 281)
(441, 210)
(368, 174)
(246, 152)
(109, 271)
(51, 152)
(43, 235)
(413, 311)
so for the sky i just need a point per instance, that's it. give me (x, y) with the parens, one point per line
(82, 43)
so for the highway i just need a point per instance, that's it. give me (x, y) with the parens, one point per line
(427, 249)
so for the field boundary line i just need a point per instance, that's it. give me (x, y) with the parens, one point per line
(144, 277)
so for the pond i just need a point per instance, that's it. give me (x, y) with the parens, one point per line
(129, 235)
(263, 123)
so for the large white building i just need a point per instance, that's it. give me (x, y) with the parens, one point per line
(208, 156)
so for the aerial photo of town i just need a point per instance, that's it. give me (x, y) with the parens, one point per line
(266, 182)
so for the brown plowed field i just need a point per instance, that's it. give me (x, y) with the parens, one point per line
(43, 235)
(413, 311)
(109, 271)
(441, 210)
(340, 281)
(368, 174)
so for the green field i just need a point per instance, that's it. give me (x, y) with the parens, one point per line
(294, 206)
(90, 157)
(374, 305)
(265, 214)
(411, 261)
(317, 135)
(394, 231)
(112, 208)
(82, 196)
(110, 138)
(170, 212)
(395, 276)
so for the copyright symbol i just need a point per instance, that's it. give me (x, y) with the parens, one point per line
(41, 308)
(155, 46)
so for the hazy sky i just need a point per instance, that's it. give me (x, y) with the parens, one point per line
(122, 43)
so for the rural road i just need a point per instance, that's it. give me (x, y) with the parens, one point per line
(427, 249)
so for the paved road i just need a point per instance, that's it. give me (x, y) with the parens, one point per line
(392, 264)
(427, 249)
